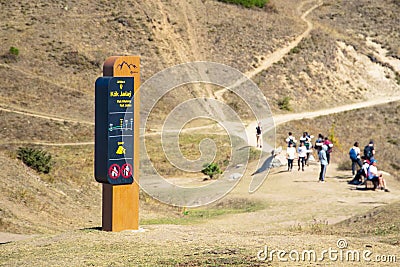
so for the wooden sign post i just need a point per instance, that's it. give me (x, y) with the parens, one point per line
(117, 162)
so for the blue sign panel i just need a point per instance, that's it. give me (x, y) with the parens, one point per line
(114, 130)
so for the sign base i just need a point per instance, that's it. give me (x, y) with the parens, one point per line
(119, 204)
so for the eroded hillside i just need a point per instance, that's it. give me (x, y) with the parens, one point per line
(350, 54)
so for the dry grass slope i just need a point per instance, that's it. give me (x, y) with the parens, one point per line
(62, 46)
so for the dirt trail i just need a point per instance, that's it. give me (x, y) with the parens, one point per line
(280, 119)
(46, 117)
(250, 128)
(291, 193)
(280, 53)
(48, 144)
(35, 76)
(294, 200)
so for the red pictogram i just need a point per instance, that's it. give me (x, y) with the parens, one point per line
(114, 171)
(126, 170)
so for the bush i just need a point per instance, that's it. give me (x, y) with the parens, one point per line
(247, 3)
(294, 50)
(332, 137)
(35, 158)
(14, 51)
(284, 104)
(11, 56)
(211, 170)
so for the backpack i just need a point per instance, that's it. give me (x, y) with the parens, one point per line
(368, 151)
(353, 154)
(330, 147)
(258, 129)
(308, 145)
(291, 142)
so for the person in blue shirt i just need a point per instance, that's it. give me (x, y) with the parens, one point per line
(323, 161)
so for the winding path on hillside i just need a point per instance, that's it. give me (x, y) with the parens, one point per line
(280, 53)
(250, 128)
(269, 61)
(41, 116)
(288, 196)
(284, 118)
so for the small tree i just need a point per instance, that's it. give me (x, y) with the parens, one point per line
(211, 169)
(284, 103)
(35, 158)
(333, 137)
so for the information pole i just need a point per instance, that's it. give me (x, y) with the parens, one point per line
(117, 142)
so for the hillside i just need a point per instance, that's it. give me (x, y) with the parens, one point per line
(62, 48)
(349, 51)
(343, 59)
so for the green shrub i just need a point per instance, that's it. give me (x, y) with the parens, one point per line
(35, 158)
(211, 169)
(13, 51)
(294, 50)
(247, 3)
(11, 56)
(284, 104)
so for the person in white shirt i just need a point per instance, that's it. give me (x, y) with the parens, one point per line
(303, 138)
(291, 139)
(306, 138)
(374, 174)
(355, 157)
(290, 155)
(302, 153)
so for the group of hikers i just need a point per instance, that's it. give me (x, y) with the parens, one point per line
(367, 163)
(304, 152)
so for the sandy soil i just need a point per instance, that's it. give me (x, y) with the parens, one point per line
(294, 200)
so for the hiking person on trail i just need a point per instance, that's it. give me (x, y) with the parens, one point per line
(354, 154)
(369, 151)
(306, 138)
(320, 141)
(364, 169)
(362, 173)
(290, 155)
(374, 174)
(258, 135)
(303, 138)
(323, 161)
(291, 139)
(302, 153)
(330, 149)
